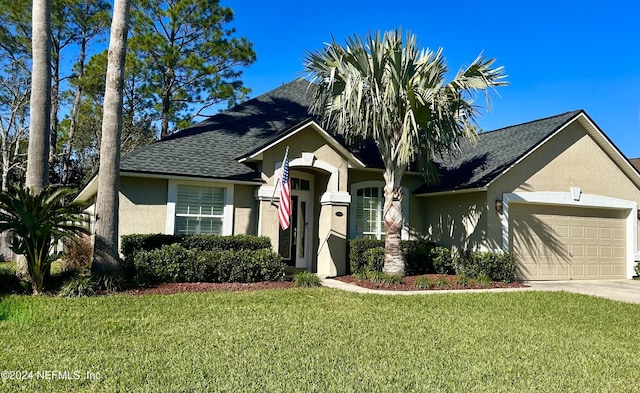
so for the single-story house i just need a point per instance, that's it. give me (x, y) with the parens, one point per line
(556, 191)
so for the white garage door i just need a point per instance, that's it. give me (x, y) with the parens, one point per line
(562, 243)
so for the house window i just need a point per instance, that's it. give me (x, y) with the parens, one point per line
(199, 208)
(369, 205)
(366, 215)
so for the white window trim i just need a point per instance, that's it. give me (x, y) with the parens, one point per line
(172, 196)
(379, 184)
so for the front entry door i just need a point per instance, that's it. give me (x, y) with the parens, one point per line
(295, 243)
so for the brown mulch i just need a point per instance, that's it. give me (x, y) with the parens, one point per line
(409, 281)
(169, 288)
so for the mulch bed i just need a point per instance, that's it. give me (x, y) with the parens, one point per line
(408, 284)
(169, 288)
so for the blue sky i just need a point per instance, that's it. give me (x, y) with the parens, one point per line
(559, 55)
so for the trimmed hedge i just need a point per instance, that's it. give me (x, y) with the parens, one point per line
(424, 257)
(416, 252)
(237, 242)
(175, 263)
(499, 266)
(133, 244)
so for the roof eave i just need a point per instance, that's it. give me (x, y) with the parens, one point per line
(353, 161)
(451, 192)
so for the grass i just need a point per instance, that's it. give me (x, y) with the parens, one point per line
(322, 340)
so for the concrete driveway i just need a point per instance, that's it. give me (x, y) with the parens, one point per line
(621, 290)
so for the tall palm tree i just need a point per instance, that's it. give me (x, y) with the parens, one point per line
(390, 90)
(38, 150)
(106, 256)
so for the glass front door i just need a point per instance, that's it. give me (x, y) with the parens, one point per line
(295, 243)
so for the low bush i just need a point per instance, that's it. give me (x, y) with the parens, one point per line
(498, 266)
(416, 253)
(483, 280)
(235, 243)
(463, 280)
(77, 254)
(441, 282)
(423, 283)
(78, 286)
(109, 282)
(9, 281)
(378, 277)
(306, 280)
(442, 260)
(174, 263)
(374, 258)
(133, 244)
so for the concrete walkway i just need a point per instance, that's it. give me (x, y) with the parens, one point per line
(620, 290)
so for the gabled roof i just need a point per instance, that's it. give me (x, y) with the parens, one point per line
(227, 145)
(495, 152)
(210, 149)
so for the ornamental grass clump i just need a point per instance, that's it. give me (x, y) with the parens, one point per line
(306, 280)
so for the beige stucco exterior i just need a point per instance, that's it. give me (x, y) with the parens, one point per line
(143, 205)
(574, 158)
(571, 158)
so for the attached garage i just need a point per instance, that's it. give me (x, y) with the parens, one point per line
(568, 243)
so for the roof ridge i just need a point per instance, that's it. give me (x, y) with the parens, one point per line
(531, 121)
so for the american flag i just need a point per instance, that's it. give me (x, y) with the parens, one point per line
(284, 208)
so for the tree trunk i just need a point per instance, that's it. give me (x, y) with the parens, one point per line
(75, 111)
(106, 256)
(393, 259)
(55, 90)
(38, 153)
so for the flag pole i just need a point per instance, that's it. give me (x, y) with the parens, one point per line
(275, 187)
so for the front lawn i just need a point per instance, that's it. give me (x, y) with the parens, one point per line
(321, 340)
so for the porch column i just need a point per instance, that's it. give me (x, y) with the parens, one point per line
(332, 234)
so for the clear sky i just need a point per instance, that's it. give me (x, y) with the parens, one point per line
(559, 55)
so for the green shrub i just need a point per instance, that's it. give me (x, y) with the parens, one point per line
(499, 266)
(306, 279)
(132, 244)
(463, 280)
(442, 260)
(416, 253)
(378, 277)
(357, 249)
(109, 281)
(441, 282)
(174, 263)
(78, 286)
(374, 258)
(423, 283)
(9, 282)
(361, 275)
(483, 280)
(235, 243)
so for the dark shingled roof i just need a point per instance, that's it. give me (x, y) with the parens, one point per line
(494, 152)
(211, 149)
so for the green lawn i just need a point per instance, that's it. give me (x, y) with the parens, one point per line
(320, 340)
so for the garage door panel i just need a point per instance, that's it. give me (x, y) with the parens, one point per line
(554, 242)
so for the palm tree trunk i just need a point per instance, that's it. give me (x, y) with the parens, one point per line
(393, 259)
(38, 151)
(106, 256)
